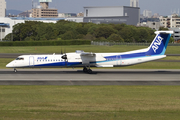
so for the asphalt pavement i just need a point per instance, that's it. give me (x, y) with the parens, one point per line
(99, 77)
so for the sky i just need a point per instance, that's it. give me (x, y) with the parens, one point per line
(163, 7)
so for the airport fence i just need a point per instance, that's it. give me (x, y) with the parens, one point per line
(123, 43)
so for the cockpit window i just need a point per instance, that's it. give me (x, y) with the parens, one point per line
(19, 58)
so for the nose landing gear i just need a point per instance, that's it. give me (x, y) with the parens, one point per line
(15, 70)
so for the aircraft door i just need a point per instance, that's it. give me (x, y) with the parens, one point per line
(118, 60)
(31, 61)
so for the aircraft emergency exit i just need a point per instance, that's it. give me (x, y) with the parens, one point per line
(87, 59)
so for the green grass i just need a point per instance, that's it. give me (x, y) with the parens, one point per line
(86, 48)
(90, 102)
(172, 58)
(73, 48)
(4, 62)
(154, 65)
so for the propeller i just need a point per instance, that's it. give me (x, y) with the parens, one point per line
(64, 57)
(66, 60)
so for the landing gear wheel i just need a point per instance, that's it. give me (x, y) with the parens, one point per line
(90, 71)
(85, 70)
(15, 70)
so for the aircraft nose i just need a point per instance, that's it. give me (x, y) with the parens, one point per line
(10, 65)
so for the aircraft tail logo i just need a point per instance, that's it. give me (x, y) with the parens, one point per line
(157, 43)
(160, 42)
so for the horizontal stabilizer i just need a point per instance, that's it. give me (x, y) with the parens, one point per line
(164, 32)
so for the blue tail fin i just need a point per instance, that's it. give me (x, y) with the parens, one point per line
(160, 42)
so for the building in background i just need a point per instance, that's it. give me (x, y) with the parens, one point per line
(81, 14)
(25, 14)
(115, 15)
(156, 15)
(172, 21)
(176, 34)
(147, 13)
(43, 11)
(134, 3)
(2, 8)
(64, 15)
(150, 24)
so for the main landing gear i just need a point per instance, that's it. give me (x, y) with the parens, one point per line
(86, 70)
(15, 70)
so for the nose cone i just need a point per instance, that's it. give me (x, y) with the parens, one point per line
(10, 65)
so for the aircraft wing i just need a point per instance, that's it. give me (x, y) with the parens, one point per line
(88, 54)
(91, 57)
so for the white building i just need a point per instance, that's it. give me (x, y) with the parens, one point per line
(172, 21)
(147, 13)
(134, 3)
(75, 19)
(65, 15)
(2, 8)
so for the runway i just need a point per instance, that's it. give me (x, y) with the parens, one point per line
(99, 77)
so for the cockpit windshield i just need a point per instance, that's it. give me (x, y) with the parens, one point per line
(19, 58)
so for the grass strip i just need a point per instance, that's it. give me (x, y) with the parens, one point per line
(90, 102)
(86, 48)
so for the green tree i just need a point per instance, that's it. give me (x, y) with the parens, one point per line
(162, 28)
(69, 35)
(104, 31)
(8, 37)
(116, 38)
(143, 34)
(32, 30)
(127, 34)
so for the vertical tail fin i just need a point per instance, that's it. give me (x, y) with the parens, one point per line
(160, 42)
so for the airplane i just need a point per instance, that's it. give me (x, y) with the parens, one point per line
(88, 59)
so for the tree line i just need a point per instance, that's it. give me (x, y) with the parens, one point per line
(67, 30)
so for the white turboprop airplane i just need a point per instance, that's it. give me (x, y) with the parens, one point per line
(85, 59)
